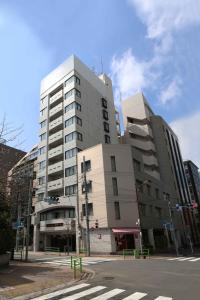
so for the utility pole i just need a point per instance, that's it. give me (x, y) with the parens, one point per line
(19, 213)
(172, 228)
(77, 213)
(28, 223)
(86, 209)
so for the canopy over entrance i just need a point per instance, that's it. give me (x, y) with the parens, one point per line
(126, 230)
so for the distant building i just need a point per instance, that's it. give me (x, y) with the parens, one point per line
(193, 180)
(9, 156)
(22, 187)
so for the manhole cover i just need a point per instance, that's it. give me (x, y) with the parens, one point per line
(108, 278)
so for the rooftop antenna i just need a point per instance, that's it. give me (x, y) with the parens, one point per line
(101, 65)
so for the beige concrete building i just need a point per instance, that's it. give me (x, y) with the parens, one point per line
(112, 199)
(76, 112)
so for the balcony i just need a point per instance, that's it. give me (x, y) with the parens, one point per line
(55, 98)
(56, 111)
(55, 184)
(55, 152)
(55, 168)
(56, 137)
(56, 125)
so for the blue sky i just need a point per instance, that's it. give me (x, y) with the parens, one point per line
(151, 46)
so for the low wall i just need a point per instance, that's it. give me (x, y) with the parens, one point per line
(4, 259)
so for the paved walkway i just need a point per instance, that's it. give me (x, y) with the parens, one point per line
(24, 278)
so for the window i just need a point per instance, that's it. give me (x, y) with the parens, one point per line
(142, 209)
(90, 209)
(78, 106)
(158, 211)
(42, 150)
(73, 105)
(73, 136)
(115, 186)
(89, 187)
(43, 112)
(104, 103)
(70, 213)
(72, 79)
(137, 165)
(105, 114)
(113, 163)
(78, 121)
(106, 126)
(87, 166)
(148, 190)
(41, 180)
(71, 153)
(107, 139)
(40, 197)
(69, 121)
(70, 171)
(73, 92)
(43, 123)
(43, 136)
(71, 189)
(157, 194)
(117, 210)
(42, 165)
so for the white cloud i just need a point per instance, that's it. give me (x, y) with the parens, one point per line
(162, 20)
(171, 92)
(128, 74)
(187, 130)
(163, 17)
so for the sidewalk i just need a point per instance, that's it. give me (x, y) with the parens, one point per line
(22, 278)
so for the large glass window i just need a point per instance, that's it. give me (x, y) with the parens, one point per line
(73, 92)
(70, 171)
(90, 209)
(71, 189)
(42, 150)
(71, 153)
(73, 136)
(42, 165)
(87, 166)
(115, 186)
(41, 180)
(117, 210)
(73, 105)
(73, 78)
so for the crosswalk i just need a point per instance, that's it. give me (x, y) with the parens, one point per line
(86, 261)
(190, 259)
(87, 292)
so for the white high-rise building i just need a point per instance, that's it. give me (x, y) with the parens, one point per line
(76, 112)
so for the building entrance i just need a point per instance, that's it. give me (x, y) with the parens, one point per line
(64, 241)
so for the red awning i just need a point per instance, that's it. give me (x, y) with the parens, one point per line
(126, 230)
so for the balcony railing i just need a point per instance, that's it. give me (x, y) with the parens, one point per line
(56, 109)
(55, 184)
(55, 168)
(55, 152)
(56, 137)
(56, 97)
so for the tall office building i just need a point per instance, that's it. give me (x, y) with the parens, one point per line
(76, 112)
(193, 180)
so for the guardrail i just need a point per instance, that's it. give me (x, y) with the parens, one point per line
(52, 249)
(76, 264)
(136, 253)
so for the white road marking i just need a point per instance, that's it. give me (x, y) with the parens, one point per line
(177, 258)
(195, 259)
(135, 296)
(61, 292)
(84, 293)
(108, 295)
(163, 298)
(186, 258)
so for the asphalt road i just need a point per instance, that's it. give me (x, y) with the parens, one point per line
(156, 277)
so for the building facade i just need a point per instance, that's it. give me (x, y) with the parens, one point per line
(112, 199)
(76, 112)
(193, 180)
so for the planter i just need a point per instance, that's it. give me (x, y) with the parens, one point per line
(4, 259)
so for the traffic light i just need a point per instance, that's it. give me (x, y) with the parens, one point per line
(96, 224)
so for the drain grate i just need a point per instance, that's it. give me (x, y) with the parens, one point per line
(108, 278)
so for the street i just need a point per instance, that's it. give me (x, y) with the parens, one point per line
(178, 280)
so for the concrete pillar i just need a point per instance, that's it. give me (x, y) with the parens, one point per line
(36, 238)
(151, 238)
